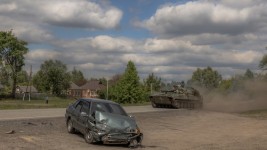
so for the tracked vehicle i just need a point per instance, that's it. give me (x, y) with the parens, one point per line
(177, 97)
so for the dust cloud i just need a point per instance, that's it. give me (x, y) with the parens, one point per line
(252, 96)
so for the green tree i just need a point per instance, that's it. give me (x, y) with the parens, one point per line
(153, 82)
(103, 81)
(249, 74)
(226, 84)
(128, 89)
(263, 62)
(4, 76)
(77, 76)
(111, 86)
(12, 51)
(52, 77)
(23, 77)
(207, 78)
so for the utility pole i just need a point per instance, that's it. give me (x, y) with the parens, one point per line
(30, 78)
(29, 84)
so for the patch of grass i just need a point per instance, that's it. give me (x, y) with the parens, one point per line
(259, 114)
(53, 102)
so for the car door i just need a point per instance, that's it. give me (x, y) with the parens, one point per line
(83, 120)
(76, 115)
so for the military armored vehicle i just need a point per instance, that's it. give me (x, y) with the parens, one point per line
(177, 97)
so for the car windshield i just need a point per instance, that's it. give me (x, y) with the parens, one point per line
(108, 107)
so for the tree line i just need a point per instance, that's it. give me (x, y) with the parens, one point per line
(54, 77)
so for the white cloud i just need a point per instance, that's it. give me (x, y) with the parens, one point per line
(205, 17)
(42, 54)
(236, 57)
(34, 21)
(28, 31)
(80, 13)
(64, 13)
(100, 43)
(107, 43)
(145, 60)
(8, 7)
(217, 39)
(240, 4)
(174, 45)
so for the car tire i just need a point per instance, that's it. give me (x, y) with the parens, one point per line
(70, 126)
(88, 137)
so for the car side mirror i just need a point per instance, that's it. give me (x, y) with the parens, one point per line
(84, 114)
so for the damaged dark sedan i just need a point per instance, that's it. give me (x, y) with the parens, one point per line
(102, 121)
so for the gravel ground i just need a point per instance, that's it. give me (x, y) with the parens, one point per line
(166, 130)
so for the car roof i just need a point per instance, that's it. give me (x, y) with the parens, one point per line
(98, 100)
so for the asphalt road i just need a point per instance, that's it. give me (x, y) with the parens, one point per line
(60, 112)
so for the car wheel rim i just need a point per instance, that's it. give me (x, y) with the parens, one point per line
(89, 137)
(69, 126)
(133, 143)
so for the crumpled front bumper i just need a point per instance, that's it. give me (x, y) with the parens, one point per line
(120, 138)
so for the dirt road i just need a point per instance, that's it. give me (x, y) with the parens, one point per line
(165, 130)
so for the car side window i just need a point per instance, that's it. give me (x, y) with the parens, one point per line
(96, 106)
(78, 106)
(75, 103)
(85, 107)
(92, 109)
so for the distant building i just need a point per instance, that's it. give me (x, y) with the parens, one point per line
(88, 90)
(74, 90)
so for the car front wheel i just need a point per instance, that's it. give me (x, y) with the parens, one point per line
(88, 137)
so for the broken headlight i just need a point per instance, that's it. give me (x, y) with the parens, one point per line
(136, 130)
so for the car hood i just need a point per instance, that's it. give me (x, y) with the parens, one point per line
(115, 121)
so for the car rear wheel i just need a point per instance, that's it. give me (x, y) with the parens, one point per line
(88, 137)
(70, 126)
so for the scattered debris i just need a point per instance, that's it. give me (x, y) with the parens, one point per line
(29, 123)
(30, 139)
(11, 132)
(45, 123)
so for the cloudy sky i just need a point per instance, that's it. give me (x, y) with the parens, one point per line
(167, 37)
